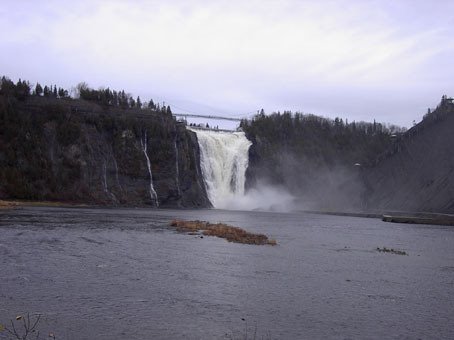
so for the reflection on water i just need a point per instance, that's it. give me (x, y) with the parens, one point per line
(124, 274)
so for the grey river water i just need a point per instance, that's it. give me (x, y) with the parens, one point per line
(124, 274)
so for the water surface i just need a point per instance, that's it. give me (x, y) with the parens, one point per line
(124, 274)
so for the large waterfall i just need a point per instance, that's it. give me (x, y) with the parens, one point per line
(224, 158)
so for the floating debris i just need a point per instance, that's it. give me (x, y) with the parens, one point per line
(392, 251)
(231, 234)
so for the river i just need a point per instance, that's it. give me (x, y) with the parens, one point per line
(125, 274)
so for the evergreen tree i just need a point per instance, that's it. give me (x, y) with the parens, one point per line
(114, 98)
(22, 90)
(132, 102)
(138, 102)
(123, 100)
(38, 89)
(62, 93)
(151, 105)
(6, 87)
(46, 91)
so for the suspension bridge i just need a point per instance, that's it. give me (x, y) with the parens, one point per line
(191, 115)
(205, 126)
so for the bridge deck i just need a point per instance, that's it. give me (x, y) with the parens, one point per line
(206, 116)
(209, 129)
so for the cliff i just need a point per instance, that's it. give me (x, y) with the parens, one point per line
(314, 158)
(331, 166)
(417, 173)
(74, 150)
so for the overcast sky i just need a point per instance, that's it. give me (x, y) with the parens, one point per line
(388, 60)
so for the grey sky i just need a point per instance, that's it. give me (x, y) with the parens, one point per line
(388, 60)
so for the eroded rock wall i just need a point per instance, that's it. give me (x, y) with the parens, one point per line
(76, 151)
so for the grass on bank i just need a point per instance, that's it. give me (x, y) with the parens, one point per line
(13, 204)
(231, 234)
(8, 204)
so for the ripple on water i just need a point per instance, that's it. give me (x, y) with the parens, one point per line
(116, 272)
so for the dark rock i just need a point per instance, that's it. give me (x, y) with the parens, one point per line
(417, 174)
(72, 150)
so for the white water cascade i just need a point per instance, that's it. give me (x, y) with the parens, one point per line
(177, 168)
(224, 158)
(153, 194)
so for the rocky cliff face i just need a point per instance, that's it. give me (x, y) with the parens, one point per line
(77, 151)
(344, 168)
(417, 173)
(313, 158)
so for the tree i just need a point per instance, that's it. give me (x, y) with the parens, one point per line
(114, 98)
(132, 102)
(38, 89)
(138, 102)
(151, 105)
(46, 91)
(6, 86)
(82, 90)
(62, 93)
(22, 90)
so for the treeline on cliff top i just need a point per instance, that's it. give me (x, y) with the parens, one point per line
(319, 138)
(103, 96)
(322, 140)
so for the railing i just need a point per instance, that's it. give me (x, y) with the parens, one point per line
(206, 116)
(209, 129)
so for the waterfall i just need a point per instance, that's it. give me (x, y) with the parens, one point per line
(224, 158)
(177, 168)
(104, 182)
(104, 177)
(153, 194)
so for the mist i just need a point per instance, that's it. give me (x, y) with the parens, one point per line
(292, 183)
(263, 197)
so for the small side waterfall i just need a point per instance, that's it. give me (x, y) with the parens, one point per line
(104, 182)
(224, 158)
(177, 168)
(153, 194)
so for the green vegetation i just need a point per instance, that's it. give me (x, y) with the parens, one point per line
(323, 140)
(102, 96)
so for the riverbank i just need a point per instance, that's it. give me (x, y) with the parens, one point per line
(397, 216)
(8, 204)
(347, 214)
(14, 204)
(433, 219)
